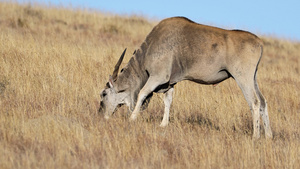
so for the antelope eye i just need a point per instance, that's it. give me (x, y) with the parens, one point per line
(103, 94)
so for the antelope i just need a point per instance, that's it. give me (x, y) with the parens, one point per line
(179, 49)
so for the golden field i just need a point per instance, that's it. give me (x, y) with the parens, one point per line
(55, 61)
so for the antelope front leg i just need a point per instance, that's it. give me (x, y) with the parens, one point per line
(168, 97)
(142, 96)
(148, 88)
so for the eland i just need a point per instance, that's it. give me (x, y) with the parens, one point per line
(179, 49)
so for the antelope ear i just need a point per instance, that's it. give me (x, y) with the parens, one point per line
(111, 82)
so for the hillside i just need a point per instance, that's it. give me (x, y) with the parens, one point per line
(55, 61)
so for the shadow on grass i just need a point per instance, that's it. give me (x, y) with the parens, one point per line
(243, 127)
(202, 121)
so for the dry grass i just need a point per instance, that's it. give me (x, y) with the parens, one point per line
(53, 64)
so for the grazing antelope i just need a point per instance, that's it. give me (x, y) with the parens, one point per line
(179, 49)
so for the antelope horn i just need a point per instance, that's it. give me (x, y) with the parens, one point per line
(115, 73)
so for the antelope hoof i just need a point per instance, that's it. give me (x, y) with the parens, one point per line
(132, 118)
(163, 124)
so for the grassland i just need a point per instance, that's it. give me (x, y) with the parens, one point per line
(54, 63)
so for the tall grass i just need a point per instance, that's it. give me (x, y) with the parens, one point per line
(55, 61)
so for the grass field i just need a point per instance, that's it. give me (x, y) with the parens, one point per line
(54, 63)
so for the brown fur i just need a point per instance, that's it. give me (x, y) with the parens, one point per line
(179, 49)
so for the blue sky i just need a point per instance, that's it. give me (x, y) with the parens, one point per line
(263, 17)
